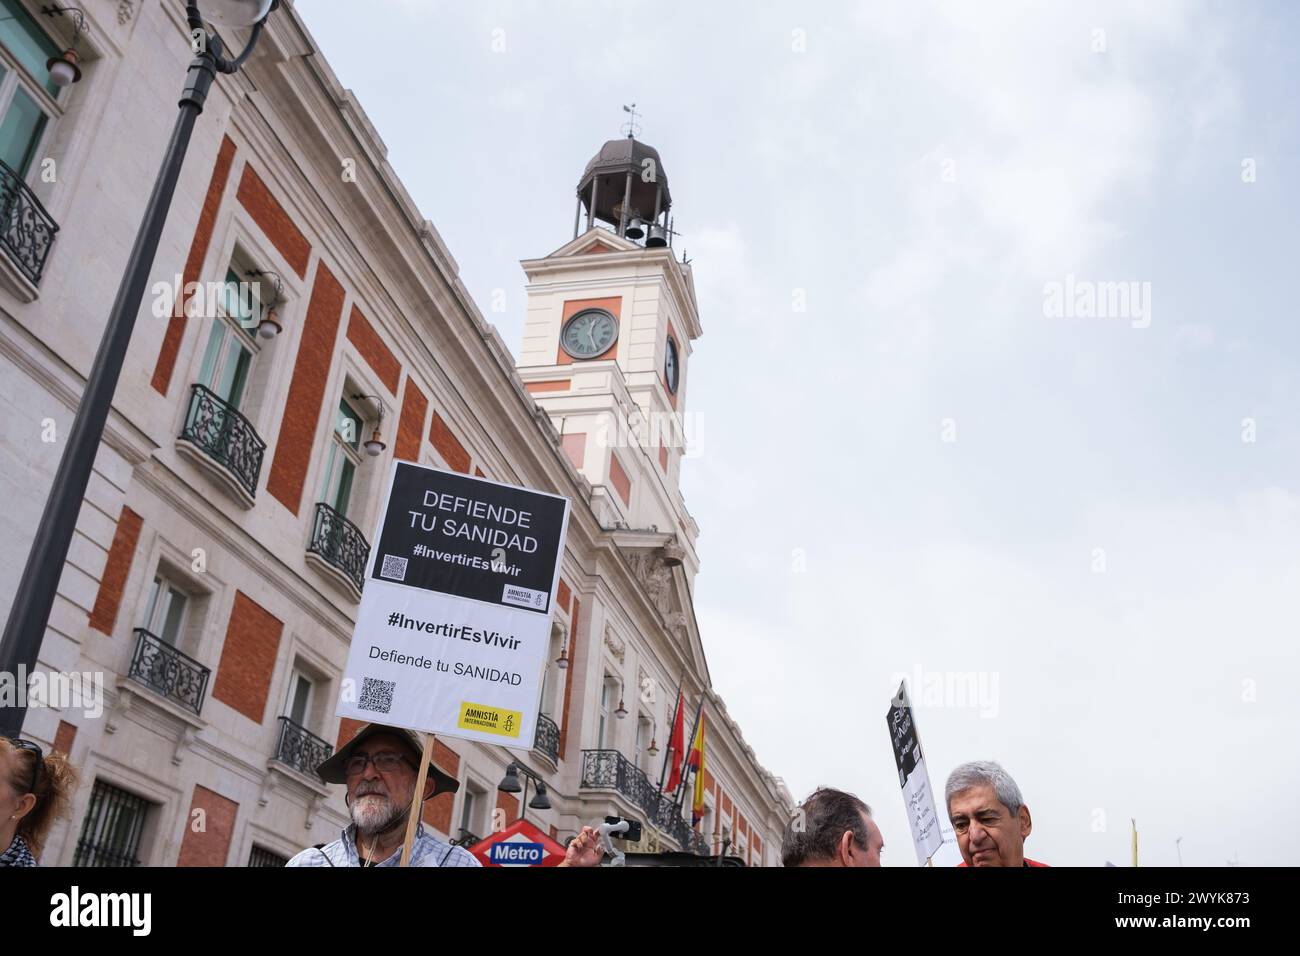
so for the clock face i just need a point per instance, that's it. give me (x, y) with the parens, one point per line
(589, 333)
(670, 366)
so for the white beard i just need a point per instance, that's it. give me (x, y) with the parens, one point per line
(374, 813)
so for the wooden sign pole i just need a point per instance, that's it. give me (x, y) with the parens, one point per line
(417, 804)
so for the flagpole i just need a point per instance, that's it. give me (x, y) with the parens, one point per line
(681, 784)
(677, 702)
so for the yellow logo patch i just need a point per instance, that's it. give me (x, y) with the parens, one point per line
(491, 720)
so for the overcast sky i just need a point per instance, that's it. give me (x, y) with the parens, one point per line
(909, 462)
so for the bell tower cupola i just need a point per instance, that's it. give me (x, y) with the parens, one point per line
(626, 188)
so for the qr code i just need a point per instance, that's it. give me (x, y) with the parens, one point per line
(394, 568)
(376, 695)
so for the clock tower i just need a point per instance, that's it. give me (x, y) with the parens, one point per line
(606, 348)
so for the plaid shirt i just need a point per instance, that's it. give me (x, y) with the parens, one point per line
(427, 850)
(19, 855)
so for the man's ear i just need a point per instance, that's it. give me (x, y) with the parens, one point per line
(1026, 823)
(846, 848)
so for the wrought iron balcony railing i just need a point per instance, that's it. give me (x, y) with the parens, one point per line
(165, 670)
(225, 436)
(467, 839)
(300, 749)
(340, 543)
(610, 770)
(547, 738)
(26, 229)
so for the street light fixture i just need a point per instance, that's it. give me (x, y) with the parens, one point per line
(29, 616)
(64, 69)
(239, 13)
(510, 784)
(375, 447)
(269, 326)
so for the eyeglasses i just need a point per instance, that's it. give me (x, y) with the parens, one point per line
(36, 765)
(385, 762)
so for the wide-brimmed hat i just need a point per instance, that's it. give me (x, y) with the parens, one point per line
(334, 770)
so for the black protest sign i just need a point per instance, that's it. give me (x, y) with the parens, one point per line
(902, 735)
(470, 538)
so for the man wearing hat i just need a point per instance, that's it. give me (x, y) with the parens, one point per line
(379, 766)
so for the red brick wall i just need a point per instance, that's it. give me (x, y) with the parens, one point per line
(552, 386)
(372, 348)
(510, 804)
(347, 730)
(663, 458)
(563, 597)
(449, 447)
(575, 446)
(437, 812)
(103, 616)
(248, 658)
(64, 737)
(171, 344)
(568, 682)
(211, 846)
(270, 216)
(410, 426)
(619, 479)
(306, 390)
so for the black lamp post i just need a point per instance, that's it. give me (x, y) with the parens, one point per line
(29, 615)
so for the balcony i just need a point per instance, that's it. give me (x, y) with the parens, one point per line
(340, 546)
(300, 749)
(467, 839)
(224, 442)
(26, 232)
(166, 671)
(547, 738)
(610, 770)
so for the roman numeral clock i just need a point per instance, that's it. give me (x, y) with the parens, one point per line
(589, 333)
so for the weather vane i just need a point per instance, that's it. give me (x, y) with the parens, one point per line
(631, 125)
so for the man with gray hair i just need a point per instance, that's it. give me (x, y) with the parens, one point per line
(989, 815)
(832, 828)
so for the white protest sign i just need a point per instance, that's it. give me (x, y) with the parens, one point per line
(913, 777)
(455, 620)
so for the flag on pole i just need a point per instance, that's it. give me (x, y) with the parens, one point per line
(696, 763)
(676, 746)
(1135, 840)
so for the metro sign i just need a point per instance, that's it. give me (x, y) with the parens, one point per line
(520, 844)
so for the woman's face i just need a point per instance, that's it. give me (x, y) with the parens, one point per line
(12, 768)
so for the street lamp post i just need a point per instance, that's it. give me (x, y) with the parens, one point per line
(21, 644)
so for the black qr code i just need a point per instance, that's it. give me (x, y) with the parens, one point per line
(376, 695)
(394, 568)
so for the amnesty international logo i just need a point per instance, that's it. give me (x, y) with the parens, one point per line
(492, 720)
